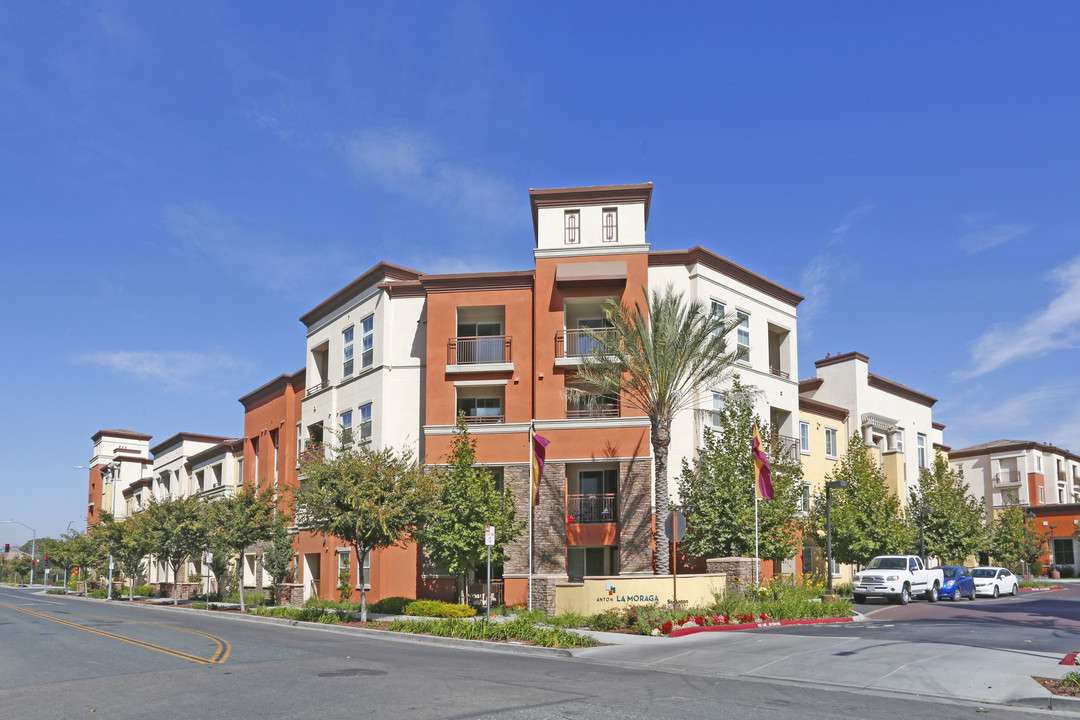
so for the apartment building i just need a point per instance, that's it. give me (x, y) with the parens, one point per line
(823, 440)
(893, 419)
(1042, 477)
(121, 458)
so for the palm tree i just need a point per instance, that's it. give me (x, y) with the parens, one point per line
(661, 363)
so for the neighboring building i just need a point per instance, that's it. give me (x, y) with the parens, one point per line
(823, 440)
(121, 458)
(1019, 472)
(893, 419)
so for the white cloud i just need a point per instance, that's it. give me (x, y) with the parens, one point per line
(172, 367)
(1054, 328)
(260, 260)
(410, 165)
(826, 269)
(983, 234)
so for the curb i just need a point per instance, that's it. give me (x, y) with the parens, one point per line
(1069, 659)
(1041, 589)
(752, 626)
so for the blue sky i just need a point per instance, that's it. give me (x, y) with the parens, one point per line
(181, 182)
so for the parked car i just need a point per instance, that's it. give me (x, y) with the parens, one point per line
(994, 581)
(958, 583)
(898, 578)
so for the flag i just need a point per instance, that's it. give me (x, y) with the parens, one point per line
(762, 473)
(539, 450)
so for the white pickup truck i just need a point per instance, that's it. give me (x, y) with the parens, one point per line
(898, 578)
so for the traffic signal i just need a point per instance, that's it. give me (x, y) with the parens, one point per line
(33, 562)
(46, 561)
(7, 547)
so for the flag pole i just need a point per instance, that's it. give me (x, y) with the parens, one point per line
(532, 449)
(757, 553)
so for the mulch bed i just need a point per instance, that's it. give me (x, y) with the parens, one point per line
(1059, 687)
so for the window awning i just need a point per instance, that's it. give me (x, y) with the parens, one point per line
(613, 271)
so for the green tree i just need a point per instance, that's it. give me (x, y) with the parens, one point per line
(867, 519)
(237, 522)
(278, 554)
(467, 499)
(129, 543)
(660, 360)
(176, 530)
(717, 489)
(953, 522)
(1015, 541)
(368, 498)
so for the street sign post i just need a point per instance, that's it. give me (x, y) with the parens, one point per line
(674, 529)
(489, 540)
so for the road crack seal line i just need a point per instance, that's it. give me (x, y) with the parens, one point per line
(149, 646)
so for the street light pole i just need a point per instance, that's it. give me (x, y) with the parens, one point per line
(834, 484)
(106, 477)
(33, 547)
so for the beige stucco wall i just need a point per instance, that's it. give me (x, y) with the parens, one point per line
(620, 592)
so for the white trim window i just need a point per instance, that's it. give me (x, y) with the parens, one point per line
(346, 427)
(804, 498)
(365, 575)
(610, 225)
(717, 408)
(831, 450)
(365, 422)
(900, 439)
(367, 341)
(804, 437)
(572, 227)
(920, 446)
(1042, 495)
(347, 351)
(742, 335)
(719, 309)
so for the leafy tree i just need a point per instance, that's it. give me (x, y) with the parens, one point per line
(466, 500)
(368, 498)
(953, 521)
(176, 532)
(867, 519)
(128, 542)
(237, 522)
(1014, 539)
(278, 555)
(718, 489)
(661, 359)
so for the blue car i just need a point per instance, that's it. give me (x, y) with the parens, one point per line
(958, 583)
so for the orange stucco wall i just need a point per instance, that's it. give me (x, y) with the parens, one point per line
(1035, 481)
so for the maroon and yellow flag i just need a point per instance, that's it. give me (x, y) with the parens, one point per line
(762, 473)
(539, 451)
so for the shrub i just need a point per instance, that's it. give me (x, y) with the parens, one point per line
(98, 593)
(1068, 571)
(390, 606)
(305, 614)
(346, 606)
(562, 620)
(438, 609)
(1036, 567)
(144, 590)
(607, 620)
(519, 629)
(250, 598)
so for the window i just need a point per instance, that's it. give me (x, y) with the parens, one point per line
(1042, 495)
(274, 439)
(717, 408)
(365, 422)
(240, 472)
(804, 437)
(585, 561)
(1038, 463)
(742, 335)
(367, 341)
(346, 427)
(572, 227)
(1063, 552)
(920, 446)
(1061, 495)
(718, 311)
(804, 497)
(299, 441)
(900, 440)
(830, 443)
(611, 225)
(344, 563)
(366, 574)
(481, 409)
(347, 351)
(255, 455)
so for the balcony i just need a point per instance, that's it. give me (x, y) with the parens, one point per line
(485, 418)
(592, 508)
(787, 446)
(220, 491)
(779, 373)
(592, 406)
(574, 344)
(317, 388)
(1007, 479)
(489, 353)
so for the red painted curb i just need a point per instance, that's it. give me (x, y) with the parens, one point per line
(1042, 589)
(1069, 659)
(679, 632)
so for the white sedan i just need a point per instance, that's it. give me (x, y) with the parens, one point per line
(994, 581)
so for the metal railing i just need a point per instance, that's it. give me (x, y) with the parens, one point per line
(477, 593)
(478, 350)
(787, 445)
(317, 387)
(1007, 478)
(484, 419)
(779, 373)
(592, 406)
(592, 508)
(577, 343)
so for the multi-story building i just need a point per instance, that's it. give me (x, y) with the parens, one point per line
(1043, 478)
(823, 440)
(894, 420)
(121, 459)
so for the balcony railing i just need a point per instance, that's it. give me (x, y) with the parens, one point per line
(779, 373)
(317, 387)
(787, 446)
(484, 419)
(477, 592)
(592, 508)
(592, 406)
(1006, 479)
(576, 343)
(478, 350)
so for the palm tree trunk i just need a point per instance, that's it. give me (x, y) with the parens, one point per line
(661, 438)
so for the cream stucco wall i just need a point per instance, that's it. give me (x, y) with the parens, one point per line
(620, 592)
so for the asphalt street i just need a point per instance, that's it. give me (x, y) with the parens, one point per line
(68, 658)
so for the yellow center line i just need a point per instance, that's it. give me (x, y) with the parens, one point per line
(150, 646)
(223, 647)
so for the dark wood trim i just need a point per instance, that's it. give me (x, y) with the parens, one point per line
(384, 270)
(841, 357)
(937, 426)
(467, 282)
(181, 436)
(585, 196)
(125, 434)
(821, 408)
(404, 289)
(894, 388)
(1010, 446)
(276, 386)
(810, 384)
(706, 257)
